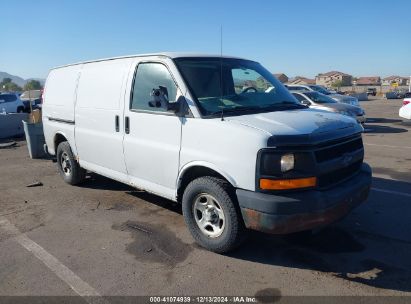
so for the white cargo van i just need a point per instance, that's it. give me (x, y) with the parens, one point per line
(220, 135)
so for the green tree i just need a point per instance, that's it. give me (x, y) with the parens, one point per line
(5, 81)
(7, 85)
(337, 84)
(32, 85)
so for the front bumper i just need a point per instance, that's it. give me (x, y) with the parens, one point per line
(304, 210)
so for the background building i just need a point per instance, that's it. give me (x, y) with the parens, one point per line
(281, 77)
(395, 79)
(301, 80)
(333, 77)
(369, 81)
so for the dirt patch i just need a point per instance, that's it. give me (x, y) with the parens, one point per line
(121, 207)
(380, 274)
(154, 243)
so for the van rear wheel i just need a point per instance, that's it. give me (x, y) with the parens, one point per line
(68, 166)
(211, 214)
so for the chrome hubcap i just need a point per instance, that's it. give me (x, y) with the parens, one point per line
(209, 215)
(65, 163)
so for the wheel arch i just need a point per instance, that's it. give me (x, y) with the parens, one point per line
(59, 137)
(195, 170)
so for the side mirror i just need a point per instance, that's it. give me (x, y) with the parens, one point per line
(160, 100)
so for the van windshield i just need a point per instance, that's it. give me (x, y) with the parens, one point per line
(320, 89)
(319, 98)
(233, 86)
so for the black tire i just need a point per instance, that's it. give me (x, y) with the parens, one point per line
(233, 232)
(75, 174)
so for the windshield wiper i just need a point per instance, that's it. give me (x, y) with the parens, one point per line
(242, 108)
(276, 106)
(286, 104)
(224, 110)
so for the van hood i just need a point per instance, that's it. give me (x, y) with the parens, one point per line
(309, 125)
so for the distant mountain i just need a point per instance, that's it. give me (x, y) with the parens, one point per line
(18, 80)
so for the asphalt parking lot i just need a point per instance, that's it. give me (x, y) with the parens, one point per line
(105, 238)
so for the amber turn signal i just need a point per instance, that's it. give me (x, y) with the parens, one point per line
(284, 184)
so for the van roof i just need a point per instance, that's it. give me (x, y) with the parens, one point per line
(162, 54)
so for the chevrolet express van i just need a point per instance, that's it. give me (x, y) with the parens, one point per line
(220, 135)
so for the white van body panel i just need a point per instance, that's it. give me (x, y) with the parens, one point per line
(290, 122)
(58, 106)
(100, 98)
(227, 148)
(405, 111)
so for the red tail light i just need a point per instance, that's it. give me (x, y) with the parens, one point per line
(405, 102)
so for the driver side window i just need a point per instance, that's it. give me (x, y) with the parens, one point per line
(247, 78)
(150, 76)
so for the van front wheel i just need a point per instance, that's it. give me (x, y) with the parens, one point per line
(211, 214)
(68, 166)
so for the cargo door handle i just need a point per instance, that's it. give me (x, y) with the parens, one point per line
(127, 125)
(117, 123)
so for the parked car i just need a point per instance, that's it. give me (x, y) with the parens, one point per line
(33, 96)
(397, 94)
(337, 97)
(320, 101)
(372, 91)
(11, 103)
(405, 110)
(220, 135)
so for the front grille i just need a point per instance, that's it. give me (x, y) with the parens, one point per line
(339, 175)
(338, 150)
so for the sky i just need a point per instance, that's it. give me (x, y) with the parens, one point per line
(362, 38)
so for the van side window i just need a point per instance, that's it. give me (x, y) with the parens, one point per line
(150, 76)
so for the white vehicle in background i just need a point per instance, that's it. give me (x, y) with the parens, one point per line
(316, 100)
(405, 110)
(220, 135)
(11, 103)
(317, 88)
(34, 97)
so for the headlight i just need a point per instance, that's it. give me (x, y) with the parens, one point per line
(277, 163)
(287, 162)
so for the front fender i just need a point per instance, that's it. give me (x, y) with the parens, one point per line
(208, 165)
